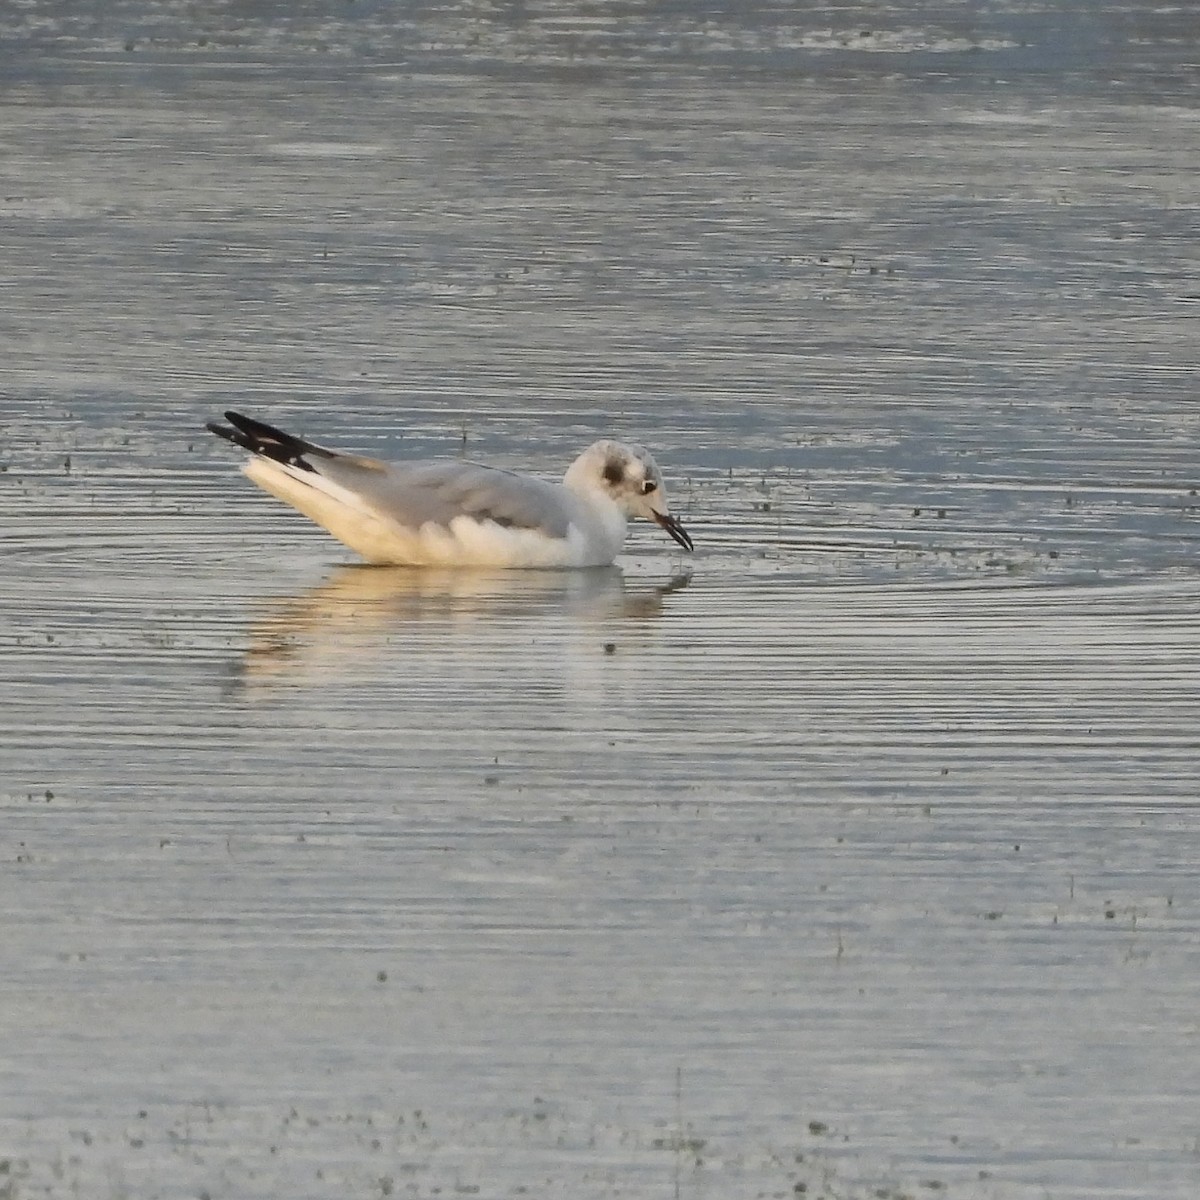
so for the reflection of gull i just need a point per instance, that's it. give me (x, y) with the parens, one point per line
(350, 617)
(448, 513)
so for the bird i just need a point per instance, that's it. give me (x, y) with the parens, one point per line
(451, 513)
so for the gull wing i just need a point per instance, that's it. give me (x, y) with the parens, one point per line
(410, 494)
(437, 492)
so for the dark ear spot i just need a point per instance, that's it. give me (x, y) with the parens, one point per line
(614, 470)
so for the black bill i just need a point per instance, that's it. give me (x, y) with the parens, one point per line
(674, 528)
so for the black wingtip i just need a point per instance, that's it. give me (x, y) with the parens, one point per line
(259, 430)
(260, 438)
(222, 431)
(232, 435)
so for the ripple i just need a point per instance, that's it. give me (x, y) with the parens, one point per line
(855, 852)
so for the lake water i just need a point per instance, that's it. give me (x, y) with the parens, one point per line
(855, 855)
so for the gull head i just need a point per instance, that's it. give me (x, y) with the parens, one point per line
(628, 475)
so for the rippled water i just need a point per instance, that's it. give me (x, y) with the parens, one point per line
(854, 855)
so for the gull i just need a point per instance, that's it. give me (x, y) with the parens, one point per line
(450, 513)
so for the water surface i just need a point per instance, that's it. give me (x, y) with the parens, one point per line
(853, 855)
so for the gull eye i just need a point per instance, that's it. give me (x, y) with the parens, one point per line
(648, 487)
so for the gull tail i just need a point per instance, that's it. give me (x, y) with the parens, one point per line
(295, 471)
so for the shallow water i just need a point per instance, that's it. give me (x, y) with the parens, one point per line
(855, 851)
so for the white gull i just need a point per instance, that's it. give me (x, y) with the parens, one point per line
(452, 513)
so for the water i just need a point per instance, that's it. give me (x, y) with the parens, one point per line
(853, 856)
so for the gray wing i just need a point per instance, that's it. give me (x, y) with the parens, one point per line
(414, 494)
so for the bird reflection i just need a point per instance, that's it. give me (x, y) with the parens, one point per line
(352, 614)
